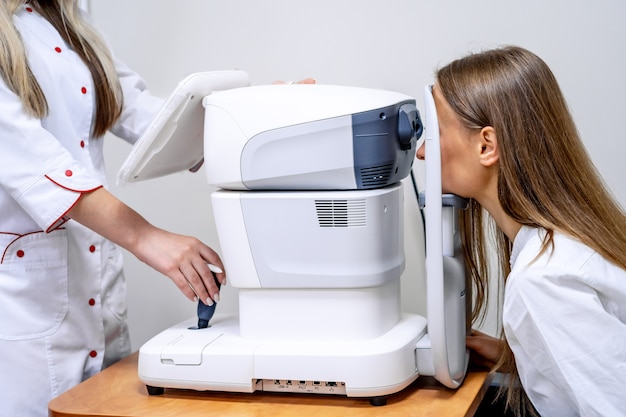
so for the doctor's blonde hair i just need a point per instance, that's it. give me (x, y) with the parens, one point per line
(65, 16)
(545, 177)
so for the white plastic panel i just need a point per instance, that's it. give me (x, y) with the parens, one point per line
(315, 155)
(174, 141)
(325, 239)
(445, 280)
(233, 237)
(332, 315)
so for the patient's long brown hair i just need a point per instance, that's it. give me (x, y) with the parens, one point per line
(546, 178)
(64, 15)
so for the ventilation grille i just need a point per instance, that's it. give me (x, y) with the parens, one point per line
(341, 213)
(376, 176)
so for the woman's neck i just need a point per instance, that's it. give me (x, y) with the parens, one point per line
(490, 202)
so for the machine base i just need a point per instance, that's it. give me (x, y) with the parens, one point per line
(218, 359)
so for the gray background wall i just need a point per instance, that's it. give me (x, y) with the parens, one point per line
(393, 44)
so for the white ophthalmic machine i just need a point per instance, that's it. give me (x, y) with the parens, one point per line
(309, 216)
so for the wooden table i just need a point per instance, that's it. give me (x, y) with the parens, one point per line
(117, 391)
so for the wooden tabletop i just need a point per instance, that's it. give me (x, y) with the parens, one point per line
(117, 391)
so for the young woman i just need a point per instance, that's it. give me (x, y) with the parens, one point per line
(509, 144)
(62, 290)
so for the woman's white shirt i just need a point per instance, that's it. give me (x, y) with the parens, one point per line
(564, 316)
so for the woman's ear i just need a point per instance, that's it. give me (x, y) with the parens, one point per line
(489, 151)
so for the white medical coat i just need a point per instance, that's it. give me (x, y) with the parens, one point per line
(564, 316)
(62, 290)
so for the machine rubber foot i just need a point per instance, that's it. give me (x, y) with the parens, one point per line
(378, 401)
(155, 390)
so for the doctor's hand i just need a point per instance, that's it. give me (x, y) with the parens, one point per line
(304, 81)
(183, 259)
(485, 350)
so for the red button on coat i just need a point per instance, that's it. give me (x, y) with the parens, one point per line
(69, 173)
(92, 302)
(82, 143)
(29, 9)
(93, 353)
(83, 90)
(20, 253)
(92, 248)
(57, 49)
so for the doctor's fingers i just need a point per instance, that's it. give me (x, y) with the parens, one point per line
(212, 265)
(201, 281)
(209, 272)
(303, 81)
(307, 81)
(186, 287)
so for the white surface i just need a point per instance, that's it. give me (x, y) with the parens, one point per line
(393, 45)
(330, 315)
(217, 358)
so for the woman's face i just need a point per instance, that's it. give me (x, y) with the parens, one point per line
(460, 168)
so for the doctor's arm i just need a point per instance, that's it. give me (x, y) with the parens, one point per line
(182, 258)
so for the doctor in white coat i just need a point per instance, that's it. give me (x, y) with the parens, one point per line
(62, 289)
